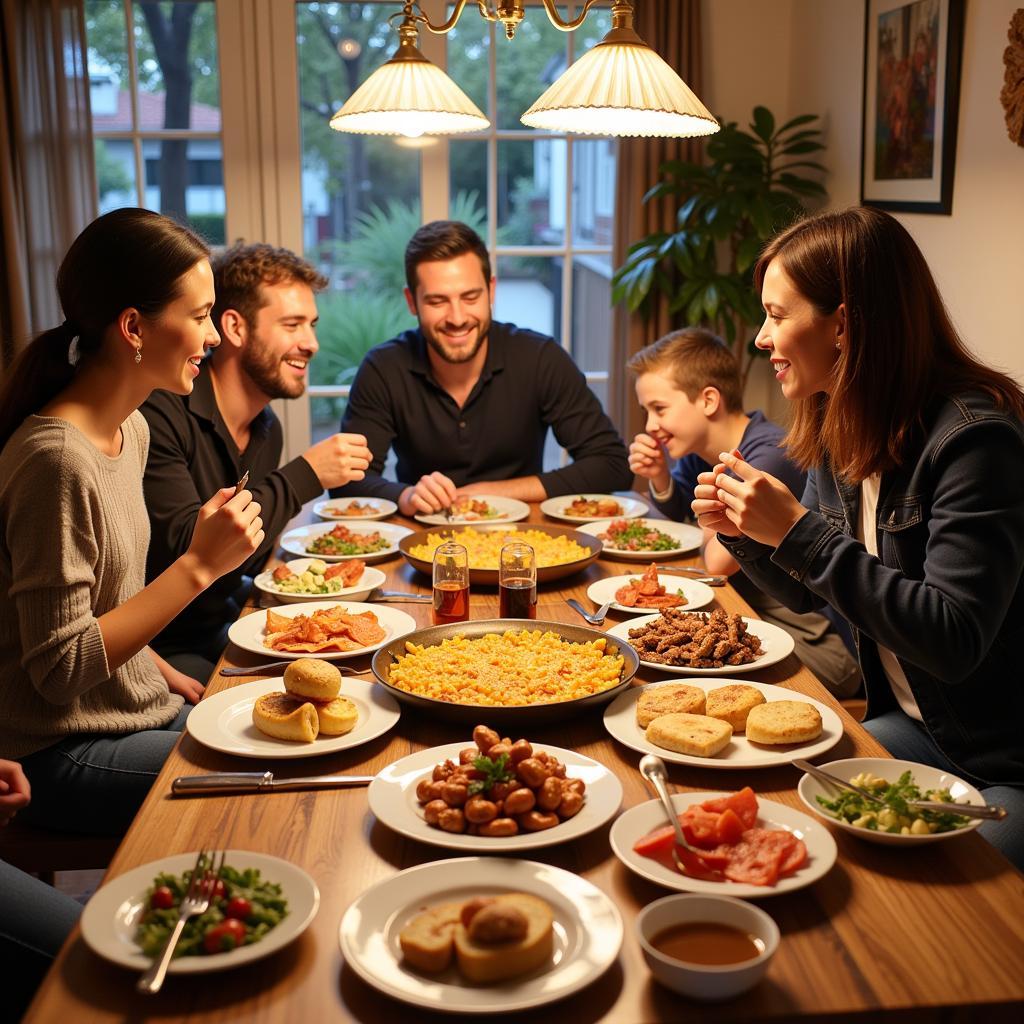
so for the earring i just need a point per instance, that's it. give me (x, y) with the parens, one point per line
(837, 346)
(138, 356)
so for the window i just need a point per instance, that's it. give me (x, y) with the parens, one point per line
(155, 95)
(542, 202)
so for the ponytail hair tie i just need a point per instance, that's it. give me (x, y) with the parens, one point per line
(74, 352)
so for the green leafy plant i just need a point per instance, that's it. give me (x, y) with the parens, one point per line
(751, 185)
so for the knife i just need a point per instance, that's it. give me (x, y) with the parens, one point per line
(259, 782)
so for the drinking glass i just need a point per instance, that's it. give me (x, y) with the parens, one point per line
(517, 581)
(451, 584)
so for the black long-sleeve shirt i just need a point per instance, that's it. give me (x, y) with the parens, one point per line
(529, 384)
(191, 455)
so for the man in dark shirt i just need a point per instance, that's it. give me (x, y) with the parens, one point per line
(265, 313)
(466, 403)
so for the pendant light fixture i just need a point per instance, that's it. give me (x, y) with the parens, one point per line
(621, 87)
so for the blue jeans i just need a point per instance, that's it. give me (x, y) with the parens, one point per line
(909, 741)
(35, 919)
(95, 784)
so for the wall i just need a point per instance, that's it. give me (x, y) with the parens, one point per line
(806, 56)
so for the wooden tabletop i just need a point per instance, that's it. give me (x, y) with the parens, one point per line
(887, 932)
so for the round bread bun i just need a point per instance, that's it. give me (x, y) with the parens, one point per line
(285, 718)
(733, 703)
(427, 941)
(783, 721)
(337, 716)
(668, 699)
(488, 964)
(313, 679)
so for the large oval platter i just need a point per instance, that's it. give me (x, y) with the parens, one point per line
(501, 717)
(490, 576)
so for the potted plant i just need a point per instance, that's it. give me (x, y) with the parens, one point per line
(751, 185)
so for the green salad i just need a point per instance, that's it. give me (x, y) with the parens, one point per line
(895, 817)
(330, 544)
(244, 908)
(637, 535)
(310, 581)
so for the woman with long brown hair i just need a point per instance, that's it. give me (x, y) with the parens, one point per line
(89, 710)
(912, 523)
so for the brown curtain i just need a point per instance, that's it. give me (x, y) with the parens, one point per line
(47, 176)
(672, 28)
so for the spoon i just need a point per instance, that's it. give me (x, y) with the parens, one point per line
(691, 862)
(594, 618)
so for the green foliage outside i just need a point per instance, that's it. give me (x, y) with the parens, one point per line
(749, 187)
(210, 226)
(111, 177)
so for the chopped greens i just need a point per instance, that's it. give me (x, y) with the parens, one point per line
(895, 816)
(495, 770)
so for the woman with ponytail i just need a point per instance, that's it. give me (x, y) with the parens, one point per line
(89, 710)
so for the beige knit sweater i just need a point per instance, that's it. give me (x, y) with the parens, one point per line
(73, 546)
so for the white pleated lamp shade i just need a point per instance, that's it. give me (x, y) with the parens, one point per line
(409, 96)
(621, 88)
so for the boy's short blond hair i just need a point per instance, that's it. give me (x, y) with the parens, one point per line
(693, 359)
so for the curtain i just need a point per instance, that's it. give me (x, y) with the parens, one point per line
(47, 176)
(672, 28)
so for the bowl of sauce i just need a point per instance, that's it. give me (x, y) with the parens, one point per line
(706, 947)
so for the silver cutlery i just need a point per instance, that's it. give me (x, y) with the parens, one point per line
(259, 782)
(987, 811)
(700, 575)
(196, 901)
(271, 666)
(240, 486)
(377, 594)
(594, 618)
(652, 768)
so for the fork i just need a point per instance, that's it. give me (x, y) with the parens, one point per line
(196, 901)
(652, 768)
(270, 666)
(594, 618)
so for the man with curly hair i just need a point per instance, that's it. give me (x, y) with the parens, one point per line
(266, 315)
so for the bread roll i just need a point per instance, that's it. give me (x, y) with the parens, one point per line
(285, 718)
(733, 703)
(313, 679)
(696, 735)
(337, 716)
(490, 963)
(427, 939)
(784, 721)
(668, 699)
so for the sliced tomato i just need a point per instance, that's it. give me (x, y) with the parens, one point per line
(796, 859)
(699, 826)
(728, 828)
(758, 857)
(657, 842)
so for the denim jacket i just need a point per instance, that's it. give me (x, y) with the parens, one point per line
(945, 593)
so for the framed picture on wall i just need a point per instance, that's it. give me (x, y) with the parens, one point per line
(911, 101)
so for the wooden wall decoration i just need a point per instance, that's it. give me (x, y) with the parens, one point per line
(1012, 95)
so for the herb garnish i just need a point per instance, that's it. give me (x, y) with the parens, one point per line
(495, 770)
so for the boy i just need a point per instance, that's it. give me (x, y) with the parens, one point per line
(689, 384)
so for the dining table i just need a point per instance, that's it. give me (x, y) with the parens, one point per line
(930, 932)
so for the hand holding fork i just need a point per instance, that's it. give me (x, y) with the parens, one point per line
(201, 888)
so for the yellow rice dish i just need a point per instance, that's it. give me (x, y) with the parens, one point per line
(484, 546)
(512, 669)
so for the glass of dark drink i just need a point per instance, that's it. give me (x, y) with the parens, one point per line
(451, 584)
(517, 581)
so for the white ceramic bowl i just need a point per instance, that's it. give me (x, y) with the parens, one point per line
(889, 769)
(708, 982)
(360, 589)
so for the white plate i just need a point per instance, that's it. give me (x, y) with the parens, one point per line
(690, 539)
(639, 821)
(295, 541)
(224, 721)
(697, 594)
(111, 916)
(249, 631)
(555, 507)
(620, 721)
(512, 511)
(384, 508)
(886, 768)
(776, 644)
(587, 933)
(371, 578)
(392, 798)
